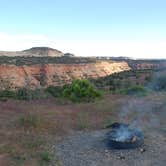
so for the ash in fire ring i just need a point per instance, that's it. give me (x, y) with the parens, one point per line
(122, 136)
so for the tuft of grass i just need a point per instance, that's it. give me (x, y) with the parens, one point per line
(30, 120)
(45, 156)
(83, 121)
(7, 148)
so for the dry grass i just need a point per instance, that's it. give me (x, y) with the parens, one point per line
(28, 129)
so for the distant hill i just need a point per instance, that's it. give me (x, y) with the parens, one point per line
(34, 51)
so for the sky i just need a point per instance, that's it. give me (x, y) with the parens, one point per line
(132, 28)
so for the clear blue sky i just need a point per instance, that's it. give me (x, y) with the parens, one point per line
(86, 20)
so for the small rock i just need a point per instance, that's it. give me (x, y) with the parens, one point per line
(142, 150)
(106, 151)
(134, 139)
(121, 157)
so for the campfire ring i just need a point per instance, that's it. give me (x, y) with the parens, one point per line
(136, 138)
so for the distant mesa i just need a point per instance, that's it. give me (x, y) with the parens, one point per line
(43, 51)
(36, 52)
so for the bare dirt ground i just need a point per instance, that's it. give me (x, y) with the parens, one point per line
(74, 132)
(89, 149)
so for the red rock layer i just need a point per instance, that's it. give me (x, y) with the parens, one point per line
(37, 76)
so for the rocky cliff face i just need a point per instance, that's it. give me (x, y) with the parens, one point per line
(37, 76)
(159, 65)
(147, 64)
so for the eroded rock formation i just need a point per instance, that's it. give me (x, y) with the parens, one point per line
(37, 76)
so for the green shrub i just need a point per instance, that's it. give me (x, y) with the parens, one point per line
(54, 91)
(7, 94)
(23, 94)
(81, 90)
(45, 156)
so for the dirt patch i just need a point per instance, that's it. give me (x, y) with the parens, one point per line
(90, 149)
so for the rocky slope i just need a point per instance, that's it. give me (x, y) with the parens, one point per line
(43, 75)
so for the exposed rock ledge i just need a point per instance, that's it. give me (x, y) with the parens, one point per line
(37, 76)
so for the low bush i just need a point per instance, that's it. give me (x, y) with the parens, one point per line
(45, 156)
(7, 94)
(134, 90)
(81, 91)
(54, 91)
(23, 94)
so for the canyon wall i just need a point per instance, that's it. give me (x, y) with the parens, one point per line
(160, 65)
(37, 76)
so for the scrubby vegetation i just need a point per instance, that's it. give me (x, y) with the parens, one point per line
(134, 90)
(159, 83)
(23, 94)
(7, 94)
(45, 156)
(19, 61)
(133, 82)
(128, 82)
(55, 91)
(30, 120)
(81, 90)
(77, 91)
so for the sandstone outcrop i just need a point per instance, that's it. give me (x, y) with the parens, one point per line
(43, 75)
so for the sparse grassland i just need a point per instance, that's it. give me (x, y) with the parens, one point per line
(29, 129)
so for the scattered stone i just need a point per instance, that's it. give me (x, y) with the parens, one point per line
(106, 151)
(121, 157)
(134, 139)
(142, 150)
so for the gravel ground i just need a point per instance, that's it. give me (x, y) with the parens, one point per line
(89, 149)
